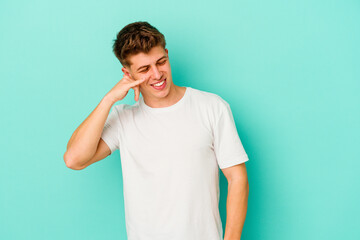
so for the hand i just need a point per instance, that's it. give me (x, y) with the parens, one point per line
(121, 89)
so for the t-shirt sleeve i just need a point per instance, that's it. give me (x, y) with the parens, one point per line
(110, 133)
(228, 148)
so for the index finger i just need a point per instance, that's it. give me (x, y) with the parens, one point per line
(137, 82)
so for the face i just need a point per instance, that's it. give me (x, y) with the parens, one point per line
(155, 66)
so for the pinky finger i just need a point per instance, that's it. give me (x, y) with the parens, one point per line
(137, 93)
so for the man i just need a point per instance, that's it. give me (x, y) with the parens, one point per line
(171, 143)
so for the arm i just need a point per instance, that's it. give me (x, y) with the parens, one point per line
(85, 146)
(85, 141)
(236, 204)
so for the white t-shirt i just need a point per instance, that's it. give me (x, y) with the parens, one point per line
(170, 160)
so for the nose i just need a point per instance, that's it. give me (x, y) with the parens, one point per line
(156, 73)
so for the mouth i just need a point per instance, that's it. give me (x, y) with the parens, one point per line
(159, 85)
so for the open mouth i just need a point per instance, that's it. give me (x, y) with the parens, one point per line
(160, 85)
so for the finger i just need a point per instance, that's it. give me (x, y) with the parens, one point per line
(137, 82)
(133, 79)
(129, 78)
(137, 92)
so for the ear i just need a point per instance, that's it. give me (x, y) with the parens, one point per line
(126, 72)
(167, 51)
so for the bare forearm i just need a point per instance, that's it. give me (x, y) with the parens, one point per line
(83, 142)
(236, 207)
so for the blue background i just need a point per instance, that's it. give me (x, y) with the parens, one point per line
(289, 70)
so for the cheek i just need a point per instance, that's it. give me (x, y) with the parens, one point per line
(142, 75)
(144, 84)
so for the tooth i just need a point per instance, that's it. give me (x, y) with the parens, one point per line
(159, 84)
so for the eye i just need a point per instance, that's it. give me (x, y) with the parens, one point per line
(162, 63)
(145, 70)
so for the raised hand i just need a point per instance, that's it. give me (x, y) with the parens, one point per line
(121, 89)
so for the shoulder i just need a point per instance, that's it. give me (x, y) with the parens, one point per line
(210, 100)
(124, 110)
(119, 107)
(123, 107)
(210, 106)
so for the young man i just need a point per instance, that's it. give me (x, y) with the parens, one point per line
(171, 143)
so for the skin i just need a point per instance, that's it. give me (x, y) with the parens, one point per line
(237, 199)
(155, 72)
(85, 146)
(238, 187)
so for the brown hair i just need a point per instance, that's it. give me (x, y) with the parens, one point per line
(134, 38)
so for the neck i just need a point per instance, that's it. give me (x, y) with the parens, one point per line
(174, 95)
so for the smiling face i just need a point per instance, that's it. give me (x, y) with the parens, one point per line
(155, 66)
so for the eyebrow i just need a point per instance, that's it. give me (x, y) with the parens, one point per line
(149, 65)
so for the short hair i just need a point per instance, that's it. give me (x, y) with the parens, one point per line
(134, 38)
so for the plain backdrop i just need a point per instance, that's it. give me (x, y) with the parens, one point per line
(290, 71)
